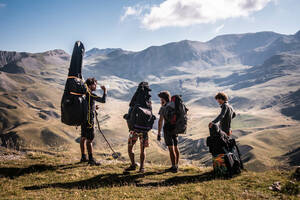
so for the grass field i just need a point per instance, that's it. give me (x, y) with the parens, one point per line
(58, 176)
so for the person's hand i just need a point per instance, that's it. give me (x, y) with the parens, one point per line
(97, 107)
(103, 88)
(210, 124)
(158, 137)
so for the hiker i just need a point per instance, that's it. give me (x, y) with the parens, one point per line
(226, 115)
(226, 157)
(87, 128)
(140, 121)
(170, 134)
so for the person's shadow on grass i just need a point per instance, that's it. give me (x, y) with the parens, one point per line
(119, 180)
(13, 172)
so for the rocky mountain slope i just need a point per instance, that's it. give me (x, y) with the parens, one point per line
(259, 71)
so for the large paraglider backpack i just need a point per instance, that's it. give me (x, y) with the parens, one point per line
(140, 117)
(175, 113)
(73, 103)
(225, 152)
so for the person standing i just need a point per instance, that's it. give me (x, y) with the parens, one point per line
(87, 128)
(226, 115)
(170, 135)
(141, 101)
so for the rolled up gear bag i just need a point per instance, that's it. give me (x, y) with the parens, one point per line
(73, 103)
(140, 117)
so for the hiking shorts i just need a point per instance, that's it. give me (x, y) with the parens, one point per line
(171, 138)
(87, 131)
(133, 137)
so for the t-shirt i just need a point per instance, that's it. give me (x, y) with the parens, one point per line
(161, 110)
(225, 117)
(167, 125)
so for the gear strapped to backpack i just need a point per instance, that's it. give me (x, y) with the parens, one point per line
(140, 117)
(175, 113)
(220, 143)
(73, 103)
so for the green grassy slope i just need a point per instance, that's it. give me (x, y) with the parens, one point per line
(58, 176)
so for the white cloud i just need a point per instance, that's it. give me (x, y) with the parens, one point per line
(181, 13)
(219, 28)
(2, 5)
(134, 11)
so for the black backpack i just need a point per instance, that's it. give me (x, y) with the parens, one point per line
(73, 103)
(175, 114)
(217, 141)
(140, 117)
(233, 159)
(220, 143)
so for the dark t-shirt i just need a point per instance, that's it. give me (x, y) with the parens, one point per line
(91, 98)
(225, 117)
(167, 125)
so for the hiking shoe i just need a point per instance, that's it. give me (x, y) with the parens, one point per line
(131, 168)
(83, 159)
(172, 169)
(93, 162)
(142, 170)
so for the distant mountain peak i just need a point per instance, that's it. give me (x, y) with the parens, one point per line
(100, 52)
(298, 34)
(56, 52)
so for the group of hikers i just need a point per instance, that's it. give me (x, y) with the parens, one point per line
(140, 119)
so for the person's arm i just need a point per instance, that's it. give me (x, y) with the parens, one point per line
(221, 115)
(233, 115)
(160, 123)
(100, 99)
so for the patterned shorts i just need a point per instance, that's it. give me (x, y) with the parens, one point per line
(133, 137)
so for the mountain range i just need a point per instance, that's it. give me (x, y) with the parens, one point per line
(260, 72)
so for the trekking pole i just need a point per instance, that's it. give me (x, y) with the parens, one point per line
(114, 155)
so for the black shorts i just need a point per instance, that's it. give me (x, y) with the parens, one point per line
(171, 138)
(87, 131)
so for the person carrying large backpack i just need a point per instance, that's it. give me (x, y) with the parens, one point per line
(173, 117)
(140, 121)
(78, 102)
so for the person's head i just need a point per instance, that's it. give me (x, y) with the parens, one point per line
(165, 97)
(91, 83)
(221, 98)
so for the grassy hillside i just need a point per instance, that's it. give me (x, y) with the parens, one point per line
(30, 114)
(58, 176)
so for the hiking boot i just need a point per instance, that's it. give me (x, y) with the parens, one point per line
(142, 170)
(83, 159)
(131, 168)
(93, 162)
(172, 169)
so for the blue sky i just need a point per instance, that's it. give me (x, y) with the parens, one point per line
(41, 25)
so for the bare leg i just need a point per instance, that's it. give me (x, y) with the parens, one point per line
(142, 156)
(89, 147)
(176, 154)
(172, 155)
(131, 154)
(82, 143)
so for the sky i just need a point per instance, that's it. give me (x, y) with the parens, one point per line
(42, 25)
